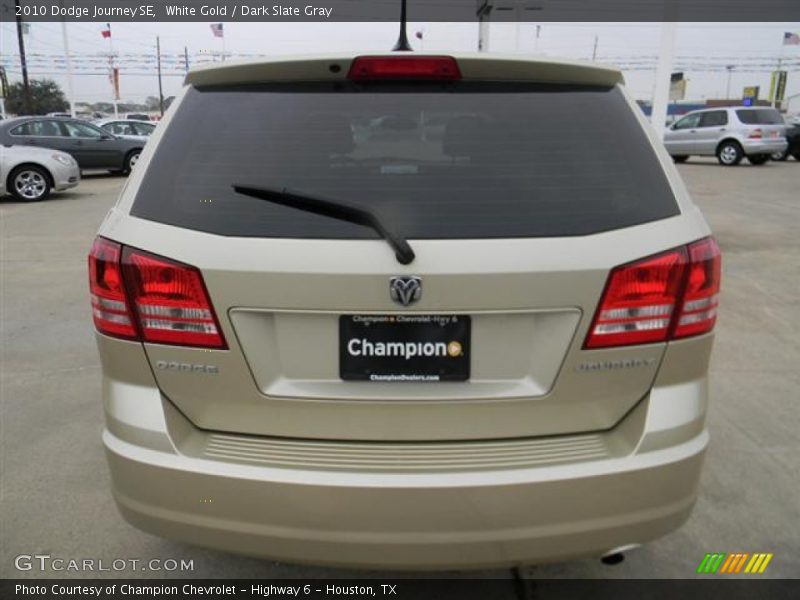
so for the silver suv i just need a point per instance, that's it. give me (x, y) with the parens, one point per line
(729, 133)
(405, 311)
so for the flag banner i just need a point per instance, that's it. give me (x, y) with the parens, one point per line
(216, 29)
(420, 11)
(791, 39)
(106, 32)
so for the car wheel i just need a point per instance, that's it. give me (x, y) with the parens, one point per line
(680, 159)
(131, 160)
(29, 183)
(758, 159)
(780, 156)
(729, 154)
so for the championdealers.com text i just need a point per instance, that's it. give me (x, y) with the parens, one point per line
(151, 11)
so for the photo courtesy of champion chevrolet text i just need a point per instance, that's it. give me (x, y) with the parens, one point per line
(469, 299)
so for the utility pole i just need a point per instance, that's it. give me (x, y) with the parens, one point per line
(70, 88)
(594, 50)
(160, 89)
(26, 87)
(186, 57)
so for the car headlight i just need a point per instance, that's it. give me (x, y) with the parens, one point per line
(64, 159)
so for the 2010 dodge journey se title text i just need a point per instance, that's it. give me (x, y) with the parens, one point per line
(424, 312)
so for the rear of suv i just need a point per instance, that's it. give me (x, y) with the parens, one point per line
(399, 312)
(729, 133)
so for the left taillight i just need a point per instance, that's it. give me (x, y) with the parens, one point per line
(164, 301)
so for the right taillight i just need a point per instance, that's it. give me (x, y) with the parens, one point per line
(140, 296)
(667, 296)
(170, 300)
(698, 311)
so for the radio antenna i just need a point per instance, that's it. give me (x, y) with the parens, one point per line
(402, 44)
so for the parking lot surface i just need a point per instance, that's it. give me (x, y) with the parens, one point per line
(54, 484)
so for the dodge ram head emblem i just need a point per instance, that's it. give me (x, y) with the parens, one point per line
(405, 290)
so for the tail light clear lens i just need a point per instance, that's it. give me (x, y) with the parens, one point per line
(667, 296)
(701, 297)
(165, 302)
(110, 308)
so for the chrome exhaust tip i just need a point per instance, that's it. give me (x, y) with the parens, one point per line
(617, 555)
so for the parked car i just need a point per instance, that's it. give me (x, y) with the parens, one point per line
(729, 133)
(484, 347)
(793, 139)
(127, 128)
(137, 116)
(92, 147)
(30, 174)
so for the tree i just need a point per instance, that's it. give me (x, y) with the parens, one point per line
(46, 97)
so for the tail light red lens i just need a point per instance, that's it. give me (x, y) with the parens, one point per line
(370, 68)
(667, 296)
(698, 312)
(638, 302)
(166, 301)
(110, 308)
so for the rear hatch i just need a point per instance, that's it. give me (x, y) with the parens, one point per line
(764, 123)
(519, 187)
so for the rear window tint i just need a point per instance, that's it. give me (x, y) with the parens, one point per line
(463, 160)
(764, 116)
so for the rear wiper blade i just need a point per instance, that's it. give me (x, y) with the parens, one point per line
(336, 209)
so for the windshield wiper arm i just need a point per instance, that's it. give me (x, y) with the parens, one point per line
(335, 209)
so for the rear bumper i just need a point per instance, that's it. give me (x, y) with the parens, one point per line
(458, 520)
(406, 505)
(764, 146)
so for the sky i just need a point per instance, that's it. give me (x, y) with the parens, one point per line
(703, 50)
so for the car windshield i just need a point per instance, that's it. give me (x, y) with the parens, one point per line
(465, 160)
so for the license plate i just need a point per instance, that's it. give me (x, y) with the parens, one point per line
(404, 347)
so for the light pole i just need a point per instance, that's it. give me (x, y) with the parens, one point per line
(730, 69)
(26, 88)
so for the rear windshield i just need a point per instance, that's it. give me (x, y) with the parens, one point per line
(462, 160)
(764, 116)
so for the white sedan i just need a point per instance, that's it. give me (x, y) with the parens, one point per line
(30, 173)
(127, 128)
